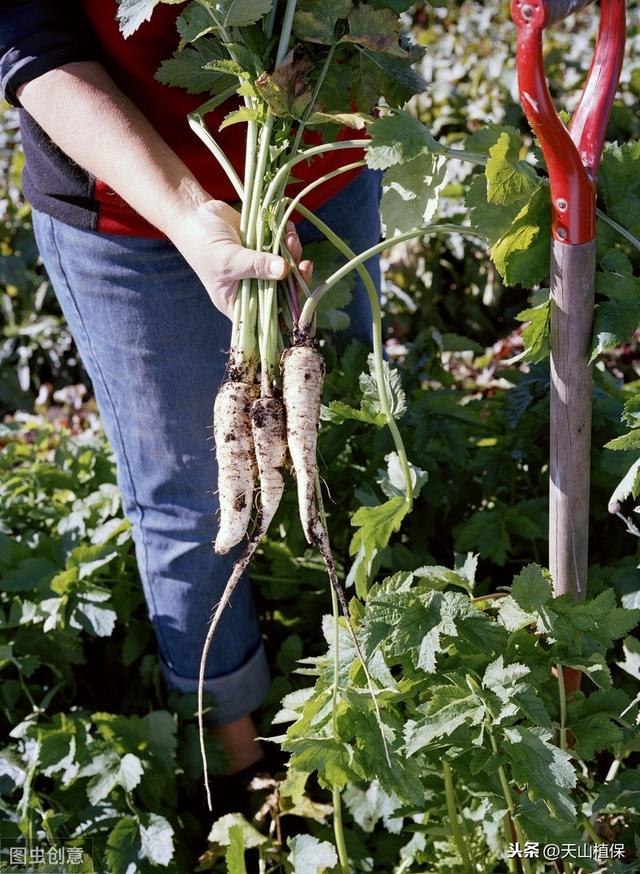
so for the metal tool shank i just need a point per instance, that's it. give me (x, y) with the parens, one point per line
(559, 9)
(572, 298)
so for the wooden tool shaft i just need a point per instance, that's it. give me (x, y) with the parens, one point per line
(571, 314)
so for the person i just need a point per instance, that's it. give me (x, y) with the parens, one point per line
(135, 227)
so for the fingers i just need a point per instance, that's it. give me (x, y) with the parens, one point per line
(240, 263)
(292, 242)
(306, 270)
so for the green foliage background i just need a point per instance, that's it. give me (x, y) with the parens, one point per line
(94, 744)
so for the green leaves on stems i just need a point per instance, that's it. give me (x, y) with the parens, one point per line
(544, 769)
(190, 68)
(510, 207)
(134, 840)
(316, 22)
(308, 855)
(370, 410)
(133, 13)
(536, 332)
(375, 29)
(522, 254)
(619, 184)
(617, 318)
(396, 139)
(509, 180)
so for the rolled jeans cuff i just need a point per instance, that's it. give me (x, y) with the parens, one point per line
(235, 694)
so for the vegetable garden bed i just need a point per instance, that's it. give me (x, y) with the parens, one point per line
(435, 734)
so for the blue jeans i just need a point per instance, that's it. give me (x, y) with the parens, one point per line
(154, 347)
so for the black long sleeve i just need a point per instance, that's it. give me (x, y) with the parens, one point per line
(37, 36)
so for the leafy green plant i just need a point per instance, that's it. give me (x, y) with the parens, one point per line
(479, 745)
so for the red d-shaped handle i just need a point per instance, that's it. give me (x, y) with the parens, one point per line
(573, 154)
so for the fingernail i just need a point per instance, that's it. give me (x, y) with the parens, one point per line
(277, 268)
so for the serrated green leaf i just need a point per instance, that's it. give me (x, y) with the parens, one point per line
(308, 855)
(339, 412)
(536, 332)
(537, 825)
(619, 184)
(616, 319)
(376, 524)
(190, 68)
(449, 708)
(499, 677)
(483, 140)
(194, 23)
(375, 29)
(133, 13)
(238, 13)
(234, 857)
(484, 532)
(411, 192)
(626, 442)
(522, 254)
(509, 180)
(396, 139)
(542, 767)
(532, 588)
(375, 75)
(622, 794)
(396, 400)
(316, 22)
(492, 221)
(631, 663)
(331, 759)
(156, 839)
(391, 480)
(108, 771)
(123, 847)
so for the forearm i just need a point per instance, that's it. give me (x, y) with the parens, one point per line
(94, 123)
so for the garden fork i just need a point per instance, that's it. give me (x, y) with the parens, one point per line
(573, 157)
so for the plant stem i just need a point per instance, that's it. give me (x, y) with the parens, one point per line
(285, 30)
(462, 155)
(312, 102)
(562, 694)
(214, 102)
(619, 228)
(338, 830)
(338, 827)
(508, 797)
(590, 831)
(198, 126)
(302, 194)
(249, 167)
(453, 819)
(283, 172)
(321, 290)
(376, 321)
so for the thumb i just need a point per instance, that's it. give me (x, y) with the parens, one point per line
(247, 264)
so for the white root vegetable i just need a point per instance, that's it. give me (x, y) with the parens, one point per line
(238, 569)
(270, 442)
(236, 461)
(302, 378)
(270, 445)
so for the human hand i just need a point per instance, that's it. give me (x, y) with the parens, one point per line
(208, 238)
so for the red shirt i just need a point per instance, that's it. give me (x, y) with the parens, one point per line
(132, 64)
